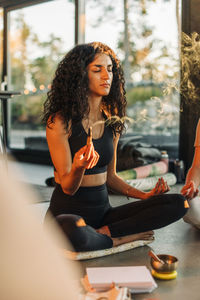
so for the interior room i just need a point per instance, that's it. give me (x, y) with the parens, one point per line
(155, 134)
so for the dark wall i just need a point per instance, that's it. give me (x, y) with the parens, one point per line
(189, 113)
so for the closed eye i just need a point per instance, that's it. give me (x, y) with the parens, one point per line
(109, 68)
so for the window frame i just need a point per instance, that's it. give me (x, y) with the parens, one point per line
(187, 120)
(26, 155)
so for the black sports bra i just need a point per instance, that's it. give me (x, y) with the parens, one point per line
(103, 145)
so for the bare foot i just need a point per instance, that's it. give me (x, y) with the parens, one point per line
(148, 235)
(104, 230)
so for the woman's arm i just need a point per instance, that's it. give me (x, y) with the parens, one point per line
(116, 184)
(190, 189)
(69, 174)
(194, 172)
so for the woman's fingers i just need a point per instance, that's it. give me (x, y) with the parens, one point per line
(161, 187)
(93, 161)
(84, 155)
(96, 158)
(89, 151)
(167, 187)
(185, 192)
(192, 192)
(189, 190)
(188, 186)
(184, 189)
(81, 151)
(196, 193)
(157, 186)
(189, 193)
(164, 185)
(87, 157)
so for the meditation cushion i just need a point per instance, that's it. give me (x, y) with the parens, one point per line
(99, 253)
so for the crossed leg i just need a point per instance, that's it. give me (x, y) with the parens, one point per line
(136, 220)
(148, 235)
(123, 224)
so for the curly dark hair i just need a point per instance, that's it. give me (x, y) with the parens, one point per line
(69, 91)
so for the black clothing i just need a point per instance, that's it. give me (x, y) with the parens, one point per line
(92, 204)
(103, 145)
(143, 215)
(83, 238)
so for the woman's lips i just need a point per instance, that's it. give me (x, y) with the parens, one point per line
(106, 85)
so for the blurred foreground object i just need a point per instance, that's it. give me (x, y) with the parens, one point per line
(193, 215)
(31, 263)
(115, 293)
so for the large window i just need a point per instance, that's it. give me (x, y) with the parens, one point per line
(39, 37)
(139, 32)
(104, 22)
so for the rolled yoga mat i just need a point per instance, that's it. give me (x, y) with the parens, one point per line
(158, 168)
(146, 184)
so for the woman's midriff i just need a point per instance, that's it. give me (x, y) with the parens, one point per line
(89, 180)
(94, 179)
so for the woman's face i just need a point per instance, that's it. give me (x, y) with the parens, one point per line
(100, 75)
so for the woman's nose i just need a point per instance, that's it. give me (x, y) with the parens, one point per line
(105, 74)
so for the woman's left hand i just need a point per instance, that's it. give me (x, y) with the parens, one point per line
(161, 187)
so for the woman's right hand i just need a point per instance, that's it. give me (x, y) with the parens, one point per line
(86, 157)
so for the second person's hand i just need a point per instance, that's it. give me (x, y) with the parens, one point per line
(189, 190)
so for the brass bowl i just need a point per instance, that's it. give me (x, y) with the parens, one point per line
(170, 263)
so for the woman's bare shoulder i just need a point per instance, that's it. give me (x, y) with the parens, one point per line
(57, 124)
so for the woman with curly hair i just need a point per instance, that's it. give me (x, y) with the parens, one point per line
(87, 91)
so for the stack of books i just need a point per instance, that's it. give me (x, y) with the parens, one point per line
(137, 278)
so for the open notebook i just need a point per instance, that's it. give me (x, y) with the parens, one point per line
(137, 278)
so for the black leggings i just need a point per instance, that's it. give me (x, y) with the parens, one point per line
(92, 204)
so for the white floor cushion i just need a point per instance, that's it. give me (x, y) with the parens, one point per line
(193, 214)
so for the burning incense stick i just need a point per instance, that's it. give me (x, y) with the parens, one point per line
(89, 137)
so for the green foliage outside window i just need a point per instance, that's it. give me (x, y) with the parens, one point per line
(28, 69)
(143, 93)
